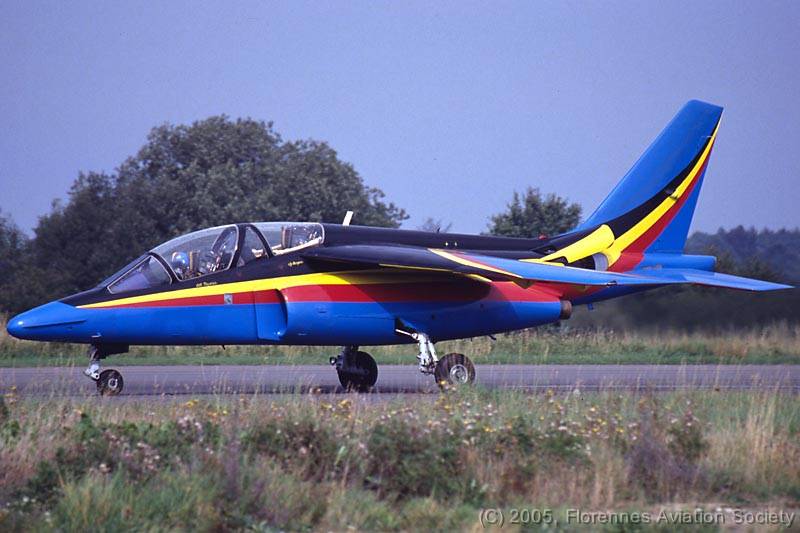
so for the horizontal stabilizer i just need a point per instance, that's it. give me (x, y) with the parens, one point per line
(711, 279)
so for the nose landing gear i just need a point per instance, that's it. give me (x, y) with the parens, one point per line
(452, 369)
(109, 382)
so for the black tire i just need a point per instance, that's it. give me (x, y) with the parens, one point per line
(110, 383)
(454, 369)
(363, 377)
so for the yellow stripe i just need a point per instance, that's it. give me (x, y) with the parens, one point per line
(473, 264)
(478, 277)
(595, 242)
(338, 278)
(390, 265)
(629, 237)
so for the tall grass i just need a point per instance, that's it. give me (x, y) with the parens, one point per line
(776, 343)
(342, 462)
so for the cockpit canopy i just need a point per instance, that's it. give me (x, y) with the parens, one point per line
(204, 252)
(201, 252)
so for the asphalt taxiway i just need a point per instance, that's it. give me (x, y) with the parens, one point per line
(278, 379)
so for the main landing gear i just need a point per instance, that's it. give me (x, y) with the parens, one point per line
(109, 382)
(358, 371)
(452, 369)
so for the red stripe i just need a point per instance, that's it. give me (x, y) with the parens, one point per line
(633, 254)
(512, 292)
(270, 296)
(655, 230)
(419, 292)
(387, 292)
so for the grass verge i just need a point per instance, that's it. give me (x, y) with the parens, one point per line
(339, 462)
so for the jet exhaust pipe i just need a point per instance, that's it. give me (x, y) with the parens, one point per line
(566, 310)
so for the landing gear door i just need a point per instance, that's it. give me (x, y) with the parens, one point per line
(270, 314)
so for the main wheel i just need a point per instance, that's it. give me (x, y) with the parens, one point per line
(110, 383)
(361, 375)
(454, 369)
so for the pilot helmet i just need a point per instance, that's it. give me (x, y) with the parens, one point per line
(180, 259)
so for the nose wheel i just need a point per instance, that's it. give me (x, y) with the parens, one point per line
(109, 382)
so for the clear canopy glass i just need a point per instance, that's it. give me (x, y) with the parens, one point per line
(201, 252)
(212, 250)
(285, 237)
(145, 274)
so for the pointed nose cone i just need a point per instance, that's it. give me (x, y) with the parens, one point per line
(50, 322)
(14, 326)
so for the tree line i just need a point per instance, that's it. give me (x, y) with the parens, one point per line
(219, 170)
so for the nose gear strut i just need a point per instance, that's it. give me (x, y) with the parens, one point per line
(109, 382)
(427, 352)
(452, 369)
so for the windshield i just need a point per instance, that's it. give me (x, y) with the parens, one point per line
(146, 274)
(200, 253)
(288, 236)
(121, 271)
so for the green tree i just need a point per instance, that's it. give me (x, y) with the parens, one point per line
(765, 254)
(434, 225)
(532, 215)
(20, 284)
(187, 177)
(12, 243)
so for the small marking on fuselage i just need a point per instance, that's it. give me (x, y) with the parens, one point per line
(295, 263)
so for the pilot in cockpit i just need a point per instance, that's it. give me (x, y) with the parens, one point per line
(183, 265)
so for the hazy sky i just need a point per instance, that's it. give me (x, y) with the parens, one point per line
(447, 107)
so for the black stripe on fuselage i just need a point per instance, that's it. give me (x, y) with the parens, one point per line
(624, 223)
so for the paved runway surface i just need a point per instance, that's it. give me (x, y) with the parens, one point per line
(197, 380)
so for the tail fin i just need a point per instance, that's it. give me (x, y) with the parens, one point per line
(651, 208)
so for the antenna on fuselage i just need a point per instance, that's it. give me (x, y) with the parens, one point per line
(347, 218)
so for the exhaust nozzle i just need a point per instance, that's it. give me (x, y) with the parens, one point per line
(566, 310)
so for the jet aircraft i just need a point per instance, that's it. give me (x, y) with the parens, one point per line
(305, 283)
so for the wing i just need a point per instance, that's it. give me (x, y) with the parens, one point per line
(474, 265)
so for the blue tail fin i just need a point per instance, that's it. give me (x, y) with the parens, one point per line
(651, 208)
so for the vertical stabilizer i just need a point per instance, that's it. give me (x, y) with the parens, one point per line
(651, 208)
